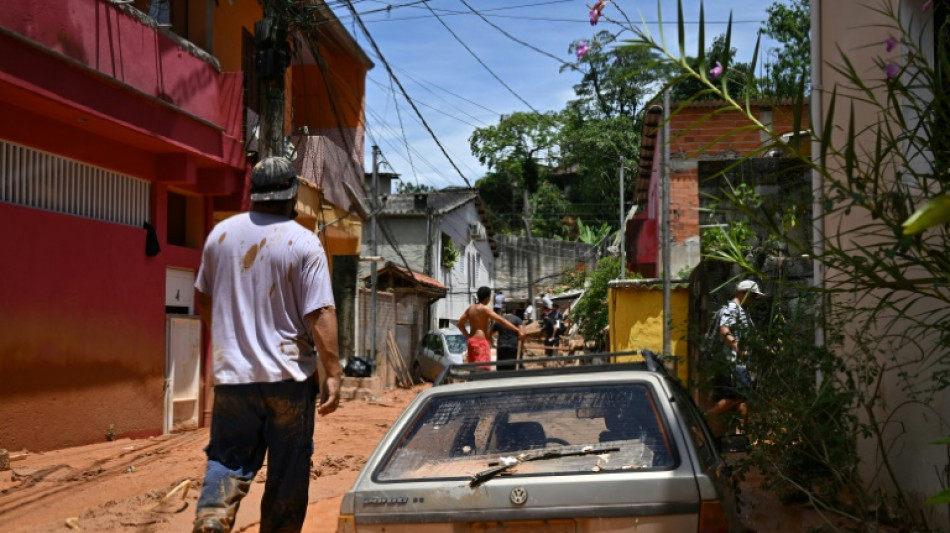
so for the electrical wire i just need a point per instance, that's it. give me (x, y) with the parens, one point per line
(480, 61)
(402, 89)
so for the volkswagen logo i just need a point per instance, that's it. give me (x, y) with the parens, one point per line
(518, 496)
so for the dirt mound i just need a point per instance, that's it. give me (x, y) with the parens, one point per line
(333, 464)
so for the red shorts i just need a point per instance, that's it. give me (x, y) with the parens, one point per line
(479, 351)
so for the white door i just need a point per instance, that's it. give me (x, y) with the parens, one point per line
(182, 372)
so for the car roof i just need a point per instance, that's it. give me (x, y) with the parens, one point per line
(596, 364)
(601, 377)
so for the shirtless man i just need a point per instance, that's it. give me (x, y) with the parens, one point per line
(478, 315)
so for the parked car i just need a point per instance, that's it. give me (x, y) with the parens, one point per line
(583, 448)
(439, 349)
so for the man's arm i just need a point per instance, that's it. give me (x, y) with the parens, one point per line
(323, 328)
(204, 304)
(728, 338)
(463, 325)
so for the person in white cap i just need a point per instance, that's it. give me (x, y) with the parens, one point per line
(734, 323)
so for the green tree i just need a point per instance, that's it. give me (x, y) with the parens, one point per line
(549, 206)
(516, 143)
(790, 25)
(590, 312)
(504, 200)
(736, 76)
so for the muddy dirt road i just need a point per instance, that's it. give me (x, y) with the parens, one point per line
(119, 486)
(122, 486)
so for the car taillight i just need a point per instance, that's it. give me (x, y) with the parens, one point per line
(712, 518)
(346, 524)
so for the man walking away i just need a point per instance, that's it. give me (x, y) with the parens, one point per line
(507, 344)
(265, 293)
(499, 302)
(474, 325)
(733, 384)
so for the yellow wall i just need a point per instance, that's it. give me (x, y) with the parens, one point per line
(636, 322)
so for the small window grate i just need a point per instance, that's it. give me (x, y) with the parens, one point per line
(36, 179)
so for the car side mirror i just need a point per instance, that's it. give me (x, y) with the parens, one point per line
(733, 444)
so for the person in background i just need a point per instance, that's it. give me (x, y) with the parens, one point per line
(264, 291)
(499, 301)
(474, 324)
(529, 314)
(546, 323)
(506, 345)
(734, 382)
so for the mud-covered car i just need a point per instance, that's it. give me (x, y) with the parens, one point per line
(586, 448)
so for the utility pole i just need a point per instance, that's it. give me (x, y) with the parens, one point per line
(273, 58)
(665, 223)
(530, 250)
(375, 252)
(623, 228)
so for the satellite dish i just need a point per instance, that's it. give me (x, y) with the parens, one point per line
(356, 203)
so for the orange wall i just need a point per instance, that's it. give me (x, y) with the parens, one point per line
(321, 103)
(228, 20)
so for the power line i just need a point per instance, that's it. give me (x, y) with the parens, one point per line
(405, 94)
(480, 62)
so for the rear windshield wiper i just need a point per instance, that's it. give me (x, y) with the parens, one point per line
(511, 462)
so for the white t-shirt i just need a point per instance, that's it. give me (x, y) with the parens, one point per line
(265, 273)
(499, 301)
(529, 312)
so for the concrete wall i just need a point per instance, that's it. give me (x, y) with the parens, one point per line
(550, 258)
(918, 465)
(474, 268)
(409, 233)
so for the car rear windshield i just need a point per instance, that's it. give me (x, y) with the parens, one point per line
(594, 429)
(456, 343)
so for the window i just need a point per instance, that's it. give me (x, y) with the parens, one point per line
(44, 181)
(458, 436)
(185, 223)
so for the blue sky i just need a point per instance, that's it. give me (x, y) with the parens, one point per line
(463, 73)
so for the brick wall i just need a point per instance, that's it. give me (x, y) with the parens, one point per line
(695, 139)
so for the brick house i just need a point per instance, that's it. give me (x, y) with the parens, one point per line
(698, 150)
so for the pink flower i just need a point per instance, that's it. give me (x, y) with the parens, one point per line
(926, 5)
(891, 43)
(891, 70)
(582, 50)
(716, 71)
(595, 11)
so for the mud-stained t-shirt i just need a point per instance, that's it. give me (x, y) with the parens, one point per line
(264, 273)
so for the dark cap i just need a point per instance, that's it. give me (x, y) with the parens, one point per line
(272, 179)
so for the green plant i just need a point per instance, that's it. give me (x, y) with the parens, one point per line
(450, 252)
(590, 312)
(884, 302)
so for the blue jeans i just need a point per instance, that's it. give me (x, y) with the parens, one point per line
(248, 421)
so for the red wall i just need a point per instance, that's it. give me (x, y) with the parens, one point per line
(82, 331)
(105, 38)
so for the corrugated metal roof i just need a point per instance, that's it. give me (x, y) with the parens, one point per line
(440, 202)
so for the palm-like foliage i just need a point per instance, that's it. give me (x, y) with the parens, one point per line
(881, 150)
